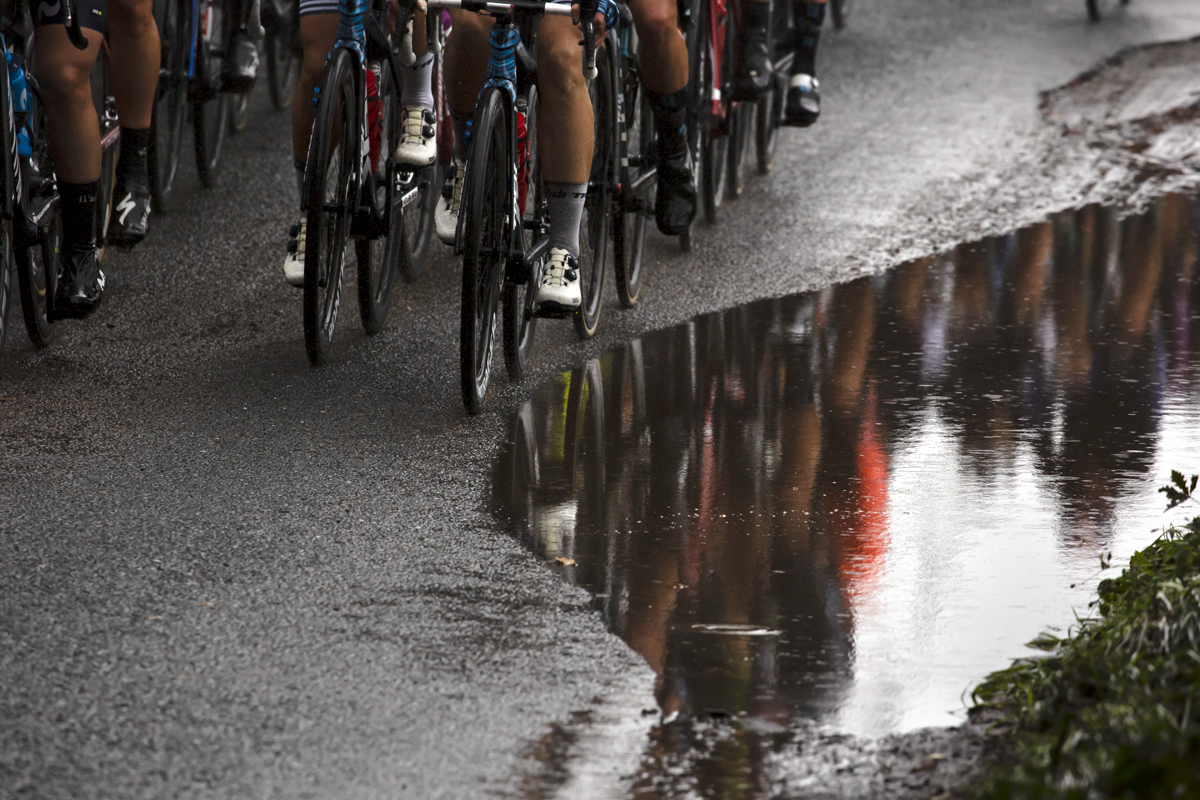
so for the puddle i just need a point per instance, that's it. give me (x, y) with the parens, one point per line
(844, 508)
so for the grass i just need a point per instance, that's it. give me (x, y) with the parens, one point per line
(1113, 709)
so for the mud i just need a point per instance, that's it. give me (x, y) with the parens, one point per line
(1120, 134)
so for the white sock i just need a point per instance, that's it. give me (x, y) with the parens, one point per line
(417, 81)
(564, 203)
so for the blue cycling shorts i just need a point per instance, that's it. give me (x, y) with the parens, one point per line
(92, 13)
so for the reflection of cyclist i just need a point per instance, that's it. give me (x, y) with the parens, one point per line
(565, 137)
(417, 145)
(64, 77)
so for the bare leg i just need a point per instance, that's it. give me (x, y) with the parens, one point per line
(318, 32)
(661, 49)
(64, 75)
(133, 55)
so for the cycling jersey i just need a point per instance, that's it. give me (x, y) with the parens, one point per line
(92, 13)
(318, 7)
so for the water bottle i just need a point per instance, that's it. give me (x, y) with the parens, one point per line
(20, 101)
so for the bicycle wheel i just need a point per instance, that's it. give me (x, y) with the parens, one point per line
(37, 262)
(769, 108)
(713, 113)
(841, 12)
(239, 111)
(638, 184)
(110, 140)
(485, 246)
(281, 19)
(420, 189)
(739, 122)
(8, 151)
(520, 324)
(595, 225)
(169, 114)
(329, 204)
(210, 106)
(380, 254)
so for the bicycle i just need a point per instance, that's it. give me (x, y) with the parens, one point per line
(502, 243)
(1097, 8)
(351, 183)
(638, 163)
(32, 226)
(840, 11)
(769, 109)
(195, 37)
(281, 19)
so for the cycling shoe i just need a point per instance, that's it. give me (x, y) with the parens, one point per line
(675, 199)
(241, 70)
(754, 67)
(803, 104)
(80, 285)
(130, 214)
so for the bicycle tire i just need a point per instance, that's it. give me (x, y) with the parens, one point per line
(239, 111)
(210, 106)
(110, 137)
(420, 194)
(283, 64)
(740, 119)
(37, 263)
(8, 151)
(329, 204)
(485, 245)
(169, 114)
(520, 322)
(714, 141)
(632, 222)
(769, 108)
(596, 223)
(840, 10)
(379, 257)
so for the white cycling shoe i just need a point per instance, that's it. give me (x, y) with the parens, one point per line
(293, 262)
(418, 137)
(558, 290)
(445, 216)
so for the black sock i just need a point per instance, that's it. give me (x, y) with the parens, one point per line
(670, 118)
(135, 149)
(755, 17)
(809, 18)
(78, 216)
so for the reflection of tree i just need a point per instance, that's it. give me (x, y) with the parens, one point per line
(735, 470)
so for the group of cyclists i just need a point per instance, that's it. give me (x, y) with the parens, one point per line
(63, 68)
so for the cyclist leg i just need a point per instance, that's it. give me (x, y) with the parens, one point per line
(566, 136)
(133, 56)
(663, 57)
(803, 104)
(417, 146)
(241, 68)
(64, 80)
(466, 59)
(754, 54)
(318, 32)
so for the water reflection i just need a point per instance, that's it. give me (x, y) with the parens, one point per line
(846, 506)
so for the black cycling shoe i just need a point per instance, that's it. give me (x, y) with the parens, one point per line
(754, 67)
(803, 104)
(675, 198)
(131, 213)
(80, 285)
(242, 70)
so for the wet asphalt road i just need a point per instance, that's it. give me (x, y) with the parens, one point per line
(226, 574)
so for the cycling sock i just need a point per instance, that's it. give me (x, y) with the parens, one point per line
(459, 120)
(564, 203)
(755, 17)
(809, 19)
(417, 81)
(670, 119)
(78, 216)
(135, 148)
(299, 179)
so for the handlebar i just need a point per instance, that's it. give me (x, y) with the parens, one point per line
(71, 21)
(507, 7)
(587, 13)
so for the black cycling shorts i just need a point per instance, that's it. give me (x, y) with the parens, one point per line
(92, 13)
